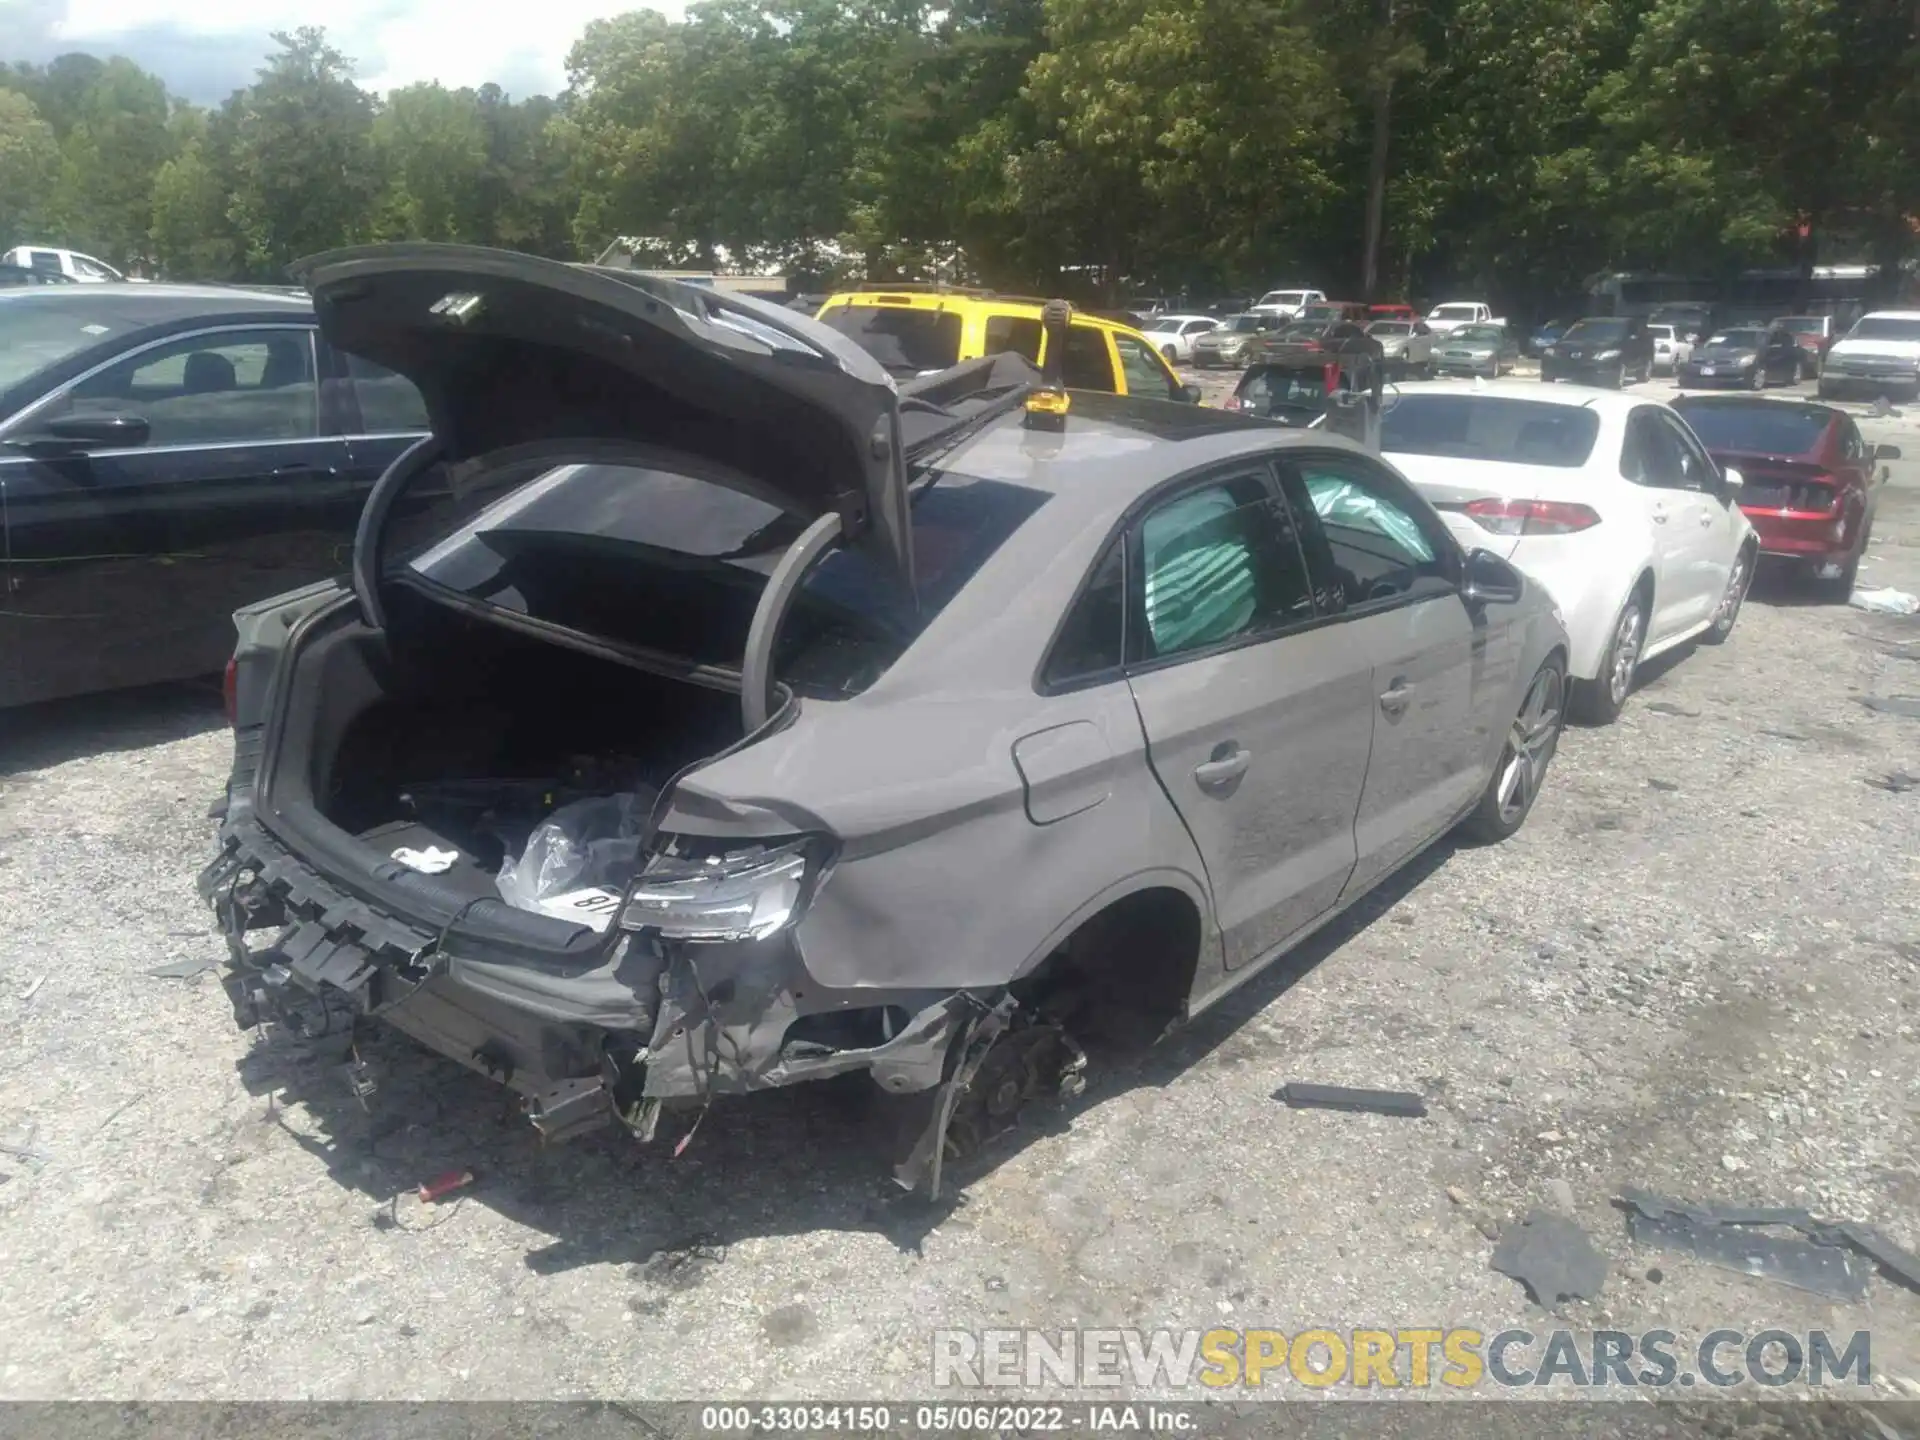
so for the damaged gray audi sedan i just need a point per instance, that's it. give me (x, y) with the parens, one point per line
(703, 713)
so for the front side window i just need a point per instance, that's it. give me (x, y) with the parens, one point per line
(1216, 564)
(1370, 534)
(1697, 472)
(1652, 455)
(1145, 374)
(1197, 327)
(222, 388)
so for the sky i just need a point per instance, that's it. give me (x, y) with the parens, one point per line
(206, 49)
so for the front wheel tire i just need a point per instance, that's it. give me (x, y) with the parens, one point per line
(1599, 701)
(1522, 768)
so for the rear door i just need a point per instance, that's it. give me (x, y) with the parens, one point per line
(1652, 459)
(128, 562)
(1258, 715)
(1716, 533)
(1392, 571)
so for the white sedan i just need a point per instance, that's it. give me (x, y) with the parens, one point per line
(1607, 500)
(1173, 335)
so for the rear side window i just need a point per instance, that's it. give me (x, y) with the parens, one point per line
(1217, 564)
(1014, 333)
(1087, 364)
(904, 340)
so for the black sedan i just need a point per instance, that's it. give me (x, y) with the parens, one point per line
(167, 455)
(1601, 350)
(13, 277)
(1752, 358)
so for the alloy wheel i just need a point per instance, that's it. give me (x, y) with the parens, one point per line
(1736, 591)
(1530, 745)
(1627, 637)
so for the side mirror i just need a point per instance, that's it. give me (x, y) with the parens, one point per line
(1491, 580)
(1190, 394)
(1886, 452)
(68, 433)
(1732, 480)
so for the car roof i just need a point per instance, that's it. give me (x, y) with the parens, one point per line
(1891, 315)
(1160, 322)
(1115, 448)
(1019, 307)
(1608, 404)
(137, 304)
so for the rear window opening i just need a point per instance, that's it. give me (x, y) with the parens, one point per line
(1765, 427)
(1487, 427)
(675, 564)
(905, 341)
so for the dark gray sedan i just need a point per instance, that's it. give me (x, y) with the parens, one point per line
(748, 723)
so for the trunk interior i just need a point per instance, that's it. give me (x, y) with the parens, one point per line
(457, 733)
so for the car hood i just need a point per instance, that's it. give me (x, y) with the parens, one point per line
(1726, 352)
(1877, 349)
(509, 349)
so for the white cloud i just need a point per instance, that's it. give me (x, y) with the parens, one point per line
(522, 47)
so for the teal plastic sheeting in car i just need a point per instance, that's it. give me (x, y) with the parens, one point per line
(1199, 572)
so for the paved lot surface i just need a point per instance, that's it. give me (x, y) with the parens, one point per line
(1694, 971)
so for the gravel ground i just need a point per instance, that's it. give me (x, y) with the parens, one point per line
(1693, 971)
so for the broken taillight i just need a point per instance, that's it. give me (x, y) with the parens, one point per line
(230, 690)
(1531, 517)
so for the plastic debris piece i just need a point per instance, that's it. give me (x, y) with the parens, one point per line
(1894, 782)
(1884, 600)
(33, 989)
(181, 969)
(1904, 705)
(1339, 1097)
(1552, 1257)
(586, 845)
(1818, 1269)
(430, 861)
(444, 1185)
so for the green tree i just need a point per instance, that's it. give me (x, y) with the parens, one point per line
(304, 168)
(432, 144)
(29, 165)
(116, 142)
(193, 238)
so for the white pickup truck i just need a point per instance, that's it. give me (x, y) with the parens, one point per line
(1445, 319)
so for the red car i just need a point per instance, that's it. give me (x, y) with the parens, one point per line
(1814, 334)
(1392, 312)
(1811, 481)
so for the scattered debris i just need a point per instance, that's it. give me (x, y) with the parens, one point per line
(1667, 707)
(444, 1185)
(1784, 735)
(431, 860)
(1716, 1234)
(182, 969)
(22, 1149)
(1896, 782)
(1552, 1257)
(1732, 1164)
(1884, 601)
(1561, 1194)
(1666, 786)
(1456, 1195)
(1339, 1097)
(1904, 705)
(33, 989)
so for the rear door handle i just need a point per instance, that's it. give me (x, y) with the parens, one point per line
(294, 472)
(1229, 763)
(1659, 515)
(1394, 699)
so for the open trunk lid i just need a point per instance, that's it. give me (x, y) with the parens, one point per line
(509, 349)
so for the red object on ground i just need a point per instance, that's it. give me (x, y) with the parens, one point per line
(445, 1185)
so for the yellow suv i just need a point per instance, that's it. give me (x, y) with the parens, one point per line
(913, 329)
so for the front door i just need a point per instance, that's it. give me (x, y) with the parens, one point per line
(1436, 664)
(126, 563)
(1258, 715)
